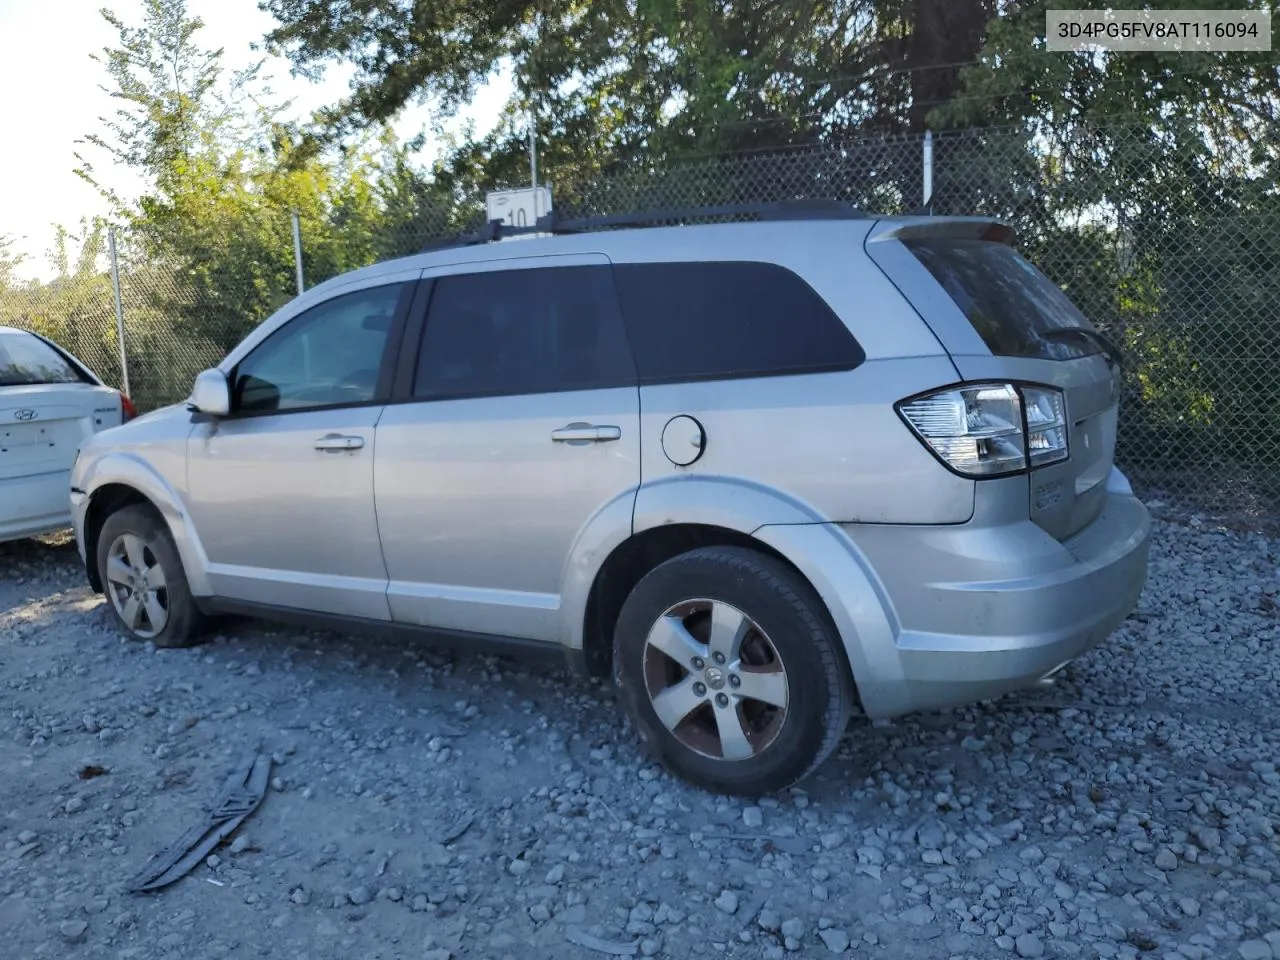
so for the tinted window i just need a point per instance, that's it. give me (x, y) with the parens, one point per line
(708, 320)
(523, 331)
(325, 356)
(1016, 309)
(25, 360)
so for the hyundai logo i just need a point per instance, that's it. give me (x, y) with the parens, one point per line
(26, 413)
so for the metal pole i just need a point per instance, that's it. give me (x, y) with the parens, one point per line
(533, 160)
(115, 286)
(297, 250)
(927, 187)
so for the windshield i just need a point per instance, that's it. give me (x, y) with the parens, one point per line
(1016, 309)
(27, 360)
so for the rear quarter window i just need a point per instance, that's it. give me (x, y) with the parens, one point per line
(26, 360)
(1013, 306)
(706, 320)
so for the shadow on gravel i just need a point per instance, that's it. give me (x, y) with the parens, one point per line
(32, 570)
(23, 558)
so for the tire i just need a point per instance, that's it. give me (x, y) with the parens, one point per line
(139, 537)
(786, 646)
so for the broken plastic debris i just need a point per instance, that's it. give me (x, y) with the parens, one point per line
(603, 946)
(240, 796)
(459, 827)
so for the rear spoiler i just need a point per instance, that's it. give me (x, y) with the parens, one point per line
(934, 228)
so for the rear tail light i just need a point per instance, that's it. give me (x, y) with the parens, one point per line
(127, 410)
(1046, 425)
(990, 429)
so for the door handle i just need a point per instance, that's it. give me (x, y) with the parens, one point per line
(585, 433)
(336, 442)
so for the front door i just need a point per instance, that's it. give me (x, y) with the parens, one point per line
(520, 423)
(281, 491)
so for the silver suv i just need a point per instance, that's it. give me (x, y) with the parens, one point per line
(762, 472)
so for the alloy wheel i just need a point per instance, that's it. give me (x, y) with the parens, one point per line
(136, 586)
(715, 680)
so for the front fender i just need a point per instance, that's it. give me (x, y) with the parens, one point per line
(127, 469)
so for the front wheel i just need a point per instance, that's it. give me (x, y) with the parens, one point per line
(731, 668)
(143, 579)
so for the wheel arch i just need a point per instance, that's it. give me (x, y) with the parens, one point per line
(107, 499)
(119, 480)
(684, 513)
(635, 557)
(678, 511)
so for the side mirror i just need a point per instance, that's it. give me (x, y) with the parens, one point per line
(212, 393)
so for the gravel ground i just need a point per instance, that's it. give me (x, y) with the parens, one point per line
(431, 806)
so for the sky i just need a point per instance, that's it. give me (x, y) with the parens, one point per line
(52, 98)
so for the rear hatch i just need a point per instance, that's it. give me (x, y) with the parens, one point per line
(47, 408)
(1003, 321)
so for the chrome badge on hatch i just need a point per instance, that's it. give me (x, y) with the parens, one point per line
(26, 413)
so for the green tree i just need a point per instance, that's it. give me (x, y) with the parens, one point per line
(9, 261)
(1164, 165)
(206, 248)
(74, 308)
(615, 80)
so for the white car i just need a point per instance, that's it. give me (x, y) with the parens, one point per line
(50, 403)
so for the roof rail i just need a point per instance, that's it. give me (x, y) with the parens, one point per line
(555, 223)
(491, 231)
(808, 209)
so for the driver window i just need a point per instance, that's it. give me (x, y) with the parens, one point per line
(326, 356)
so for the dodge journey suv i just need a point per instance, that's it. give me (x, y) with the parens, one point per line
(761, 473)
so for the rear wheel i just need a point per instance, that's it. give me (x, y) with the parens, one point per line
(731, 668)
(143, 579)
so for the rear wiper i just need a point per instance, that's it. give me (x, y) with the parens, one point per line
(1101, 340)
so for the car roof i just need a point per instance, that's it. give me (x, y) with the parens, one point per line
(635, 242)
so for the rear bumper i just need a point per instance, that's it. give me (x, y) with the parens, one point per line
(30, 506)
(983, 610)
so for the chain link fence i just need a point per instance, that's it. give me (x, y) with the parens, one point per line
(1174, 252)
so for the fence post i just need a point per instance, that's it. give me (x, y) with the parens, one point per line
(926, 192)
(115, 287)
(533, 159)
(297, 249)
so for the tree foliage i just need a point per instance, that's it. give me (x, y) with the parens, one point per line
(73, 308)
(615, 79)
(206, 248)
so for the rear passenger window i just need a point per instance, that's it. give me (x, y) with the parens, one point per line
(723, 320)
(513, 332)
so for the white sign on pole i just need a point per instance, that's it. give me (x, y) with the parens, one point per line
(518, 208)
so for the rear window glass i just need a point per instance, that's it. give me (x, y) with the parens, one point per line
(27, 360)
(721, 320)
(1016, 309)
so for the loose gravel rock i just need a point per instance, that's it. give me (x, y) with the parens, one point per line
(464, 808)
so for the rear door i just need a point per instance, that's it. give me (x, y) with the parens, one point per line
(1002, 319)
(515, 423)
(47, 409)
